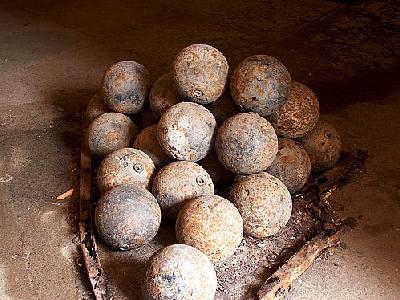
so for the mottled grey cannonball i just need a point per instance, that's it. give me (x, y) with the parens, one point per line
(223, 108)
(125, 166)
(127, 216)
(264, 203)
(292, 165)
(163, 94)
(219, 174)
(211, 224)
(298, 115)
(246, 143)
(178, 183)
(110, 132)
(95, 108)
(323, 145)
(186, 131)
(180, 272)
(200, 73)
(126, 85)
(260, 84)
(147, 141)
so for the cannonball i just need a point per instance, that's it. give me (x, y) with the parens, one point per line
(127, 216)
(200, 73)
(163, 94)
(260, 84)
(223, 108)
(180, 272)
(219, 174)
(125, 166)
(292, 165)
(298, 115)
(211, 224)
(323, 145)
(264, 203)
(147, 141)
(186, 131)
(177, 183)
(110, 132)
(126, 85)
(246, 143)
(95, 108)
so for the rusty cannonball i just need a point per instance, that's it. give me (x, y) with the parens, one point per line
(260, 84)
(125, 86)
(147, 141)
(163, 95)
(95, 108)
(323, 145)
(246, 143)
(186, 131)
(264, 203)
(298, 115)
(110, 132)
(292, 165)
(125, 166)
(180, 272)
(223, 108)
(200, 73)
(127, 216)
(211, 224)
(179, 182)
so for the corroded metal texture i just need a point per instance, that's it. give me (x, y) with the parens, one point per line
(264, 203)
(298, 115)
(323, 145)
(246, 144)
(163, 95)
(211, 224)
(147, 141)
(292, 165)
(200, 73)
(110, 132)
(223, 108)
(125, 86)
(127, 216)
(178, 183)
(180, 272)
(260, 84)
(95, 108)
(125, 166)
(186, 131)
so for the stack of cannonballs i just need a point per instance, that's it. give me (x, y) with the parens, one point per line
(205, 135)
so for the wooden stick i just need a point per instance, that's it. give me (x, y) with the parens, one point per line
(88, 242)
(65, 195)
(332, 177)
(279, 283)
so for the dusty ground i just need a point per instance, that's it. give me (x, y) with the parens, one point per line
(53, 54)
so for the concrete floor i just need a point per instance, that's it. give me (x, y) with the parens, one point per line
(53, 55)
